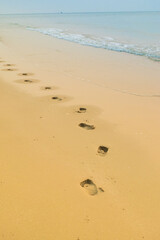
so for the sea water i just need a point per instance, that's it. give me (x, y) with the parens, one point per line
(129, 32)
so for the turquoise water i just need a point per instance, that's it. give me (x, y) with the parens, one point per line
(130, 32)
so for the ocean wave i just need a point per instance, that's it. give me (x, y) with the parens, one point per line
(152, 52)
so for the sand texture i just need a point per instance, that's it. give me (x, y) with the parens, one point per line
(79, 137)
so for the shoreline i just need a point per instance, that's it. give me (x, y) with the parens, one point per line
(46, 155)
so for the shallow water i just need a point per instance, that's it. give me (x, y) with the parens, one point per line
(131, 32)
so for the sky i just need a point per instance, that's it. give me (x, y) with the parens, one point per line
(48, 6)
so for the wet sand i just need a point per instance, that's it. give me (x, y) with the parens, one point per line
(79, 141)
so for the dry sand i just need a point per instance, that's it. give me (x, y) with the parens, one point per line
(55, 181)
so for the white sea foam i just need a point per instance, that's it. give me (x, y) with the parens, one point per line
(152, 52)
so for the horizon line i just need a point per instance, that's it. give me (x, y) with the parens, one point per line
(61, 12)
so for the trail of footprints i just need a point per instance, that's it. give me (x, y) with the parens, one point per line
(89, 186)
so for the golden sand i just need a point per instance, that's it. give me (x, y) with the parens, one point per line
(79, 140)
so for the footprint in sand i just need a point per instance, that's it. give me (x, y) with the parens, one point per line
(9, 65)
(102, 150)
(9, 69)
(25, 74)
(86, 126)
(27, 81)
(89, 186)
(81, 110)
(57, 98)
(46, 88)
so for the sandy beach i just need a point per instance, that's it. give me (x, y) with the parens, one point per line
(80, 135)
